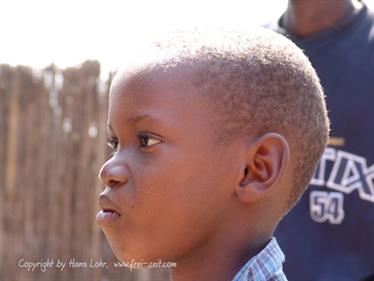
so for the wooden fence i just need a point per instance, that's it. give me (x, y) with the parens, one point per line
(52, 144)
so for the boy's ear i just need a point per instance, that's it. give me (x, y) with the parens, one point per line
(266, 162)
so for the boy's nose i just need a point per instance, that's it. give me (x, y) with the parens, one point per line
(113, 175)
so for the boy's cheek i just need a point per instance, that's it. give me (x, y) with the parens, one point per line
(145, 242)
(165, 207)
(159, 232)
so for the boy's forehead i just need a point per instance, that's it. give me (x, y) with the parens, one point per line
(155, 87)
(165, 99)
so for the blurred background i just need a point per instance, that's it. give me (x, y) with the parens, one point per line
(57, 59)
(39, 32)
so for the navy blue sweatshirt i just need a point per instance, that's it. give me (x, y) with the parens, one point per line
(329, 235)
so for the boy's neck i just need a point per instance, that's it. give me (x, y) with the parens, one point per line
(306, 17)
(221, 258)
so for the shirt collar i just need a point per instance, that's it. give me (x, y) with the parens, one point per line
(263, 266)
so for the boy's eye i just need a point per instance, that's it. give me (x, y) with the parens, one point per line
(147, 141)
(144, 140)
(112, 143)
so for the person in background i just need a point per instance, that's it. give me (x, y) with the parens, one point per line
(329, 235)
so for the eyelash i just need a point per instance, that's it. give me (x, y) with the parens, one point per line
(113, 142)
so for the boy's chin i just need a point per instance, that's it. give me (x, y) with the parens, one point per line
(129, 249)
(133, 254)
(126, 257)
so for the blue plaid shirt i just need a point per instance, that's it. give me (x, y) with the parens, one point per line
(265, 266)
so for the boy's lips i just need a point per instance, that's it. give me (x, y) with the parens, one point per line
(107, 205)
(110, 212)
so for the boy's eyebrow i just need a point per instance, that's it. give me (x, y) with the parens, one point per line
(138, 118)
(133, 120)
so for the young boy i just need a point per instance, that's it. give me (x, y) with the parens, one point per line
(215, 138)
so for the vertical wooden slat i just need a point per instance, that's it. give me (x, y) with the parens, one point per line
(9, 220)
(55, 167)
(6, 79)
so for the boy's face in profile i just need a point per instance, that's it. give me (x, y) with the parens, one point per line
(168, 180)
